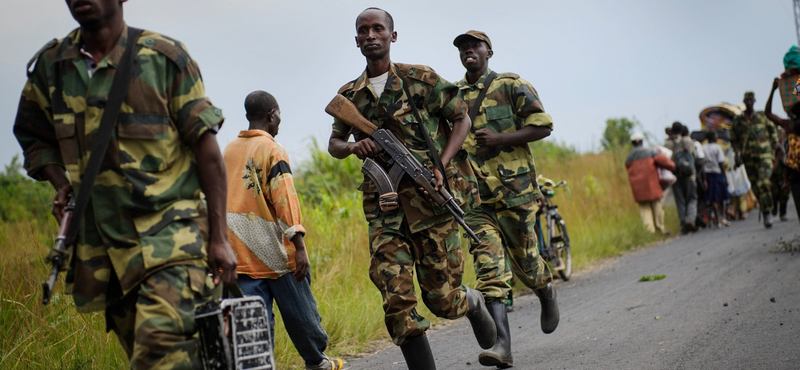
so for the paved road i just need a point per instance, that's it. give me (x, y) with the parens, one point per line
(726, 303)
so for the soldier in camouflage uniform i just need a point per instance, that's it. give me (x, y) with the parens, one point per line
(755, 139)
(148, 238)
(419, 235)
(509, 117)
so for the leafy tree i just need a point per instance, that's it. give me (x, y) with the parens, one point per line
(618, 132)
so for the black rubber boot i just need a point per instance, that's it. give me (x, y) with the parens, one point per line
(500, 354)
(417, 353)
(550, 316)
(480, 319)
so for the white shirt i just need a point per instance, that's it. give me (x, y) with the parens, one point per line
(714, 157)
(379, 83)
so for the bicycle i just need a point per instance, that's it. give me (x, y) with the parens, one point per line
(556, 249)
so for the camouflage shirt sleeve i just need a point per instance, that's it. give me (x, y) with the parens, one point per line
(190, 109)
(773, 132)
(33, 126)
(734, 135)
(529, 106)
(444, 101)
(340, 129)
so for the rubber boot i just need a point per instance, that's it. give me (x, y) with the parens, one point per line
(480, 319)
(767, 220)
(500, 354)
(417, 353)
(550, 315)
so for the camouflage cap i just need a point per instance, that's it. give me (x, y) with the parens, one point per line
(478, 35)
(749, 94)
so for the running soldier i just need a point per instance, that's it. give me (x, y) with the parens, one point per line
(418, 236)
(507, 115)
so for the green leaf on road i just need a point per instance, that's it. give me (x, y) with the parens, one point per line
(652, 277)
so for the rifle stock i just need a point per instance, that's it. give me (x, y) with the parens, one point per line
(345, 111)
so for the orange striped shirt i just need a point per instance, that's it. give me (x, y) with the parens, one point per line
(263, 209)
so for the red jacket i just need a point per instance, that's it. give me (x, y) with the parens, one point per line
(642, 164)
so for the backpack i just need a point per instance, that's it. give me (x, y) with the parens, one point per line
(684, 160)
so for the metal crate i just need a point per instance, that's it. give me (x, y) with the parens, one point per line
(235, 335)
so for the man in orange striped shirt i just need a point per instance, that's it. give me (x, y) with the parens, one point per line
(265, 231)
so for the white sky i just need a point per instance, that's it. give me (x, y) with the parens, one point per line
(658, 61)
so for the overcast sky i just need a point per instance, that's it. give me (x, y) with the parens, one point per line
(658, 61)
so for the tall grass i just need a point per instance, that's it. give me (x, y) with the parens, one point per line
(601, 215)
(33, 336)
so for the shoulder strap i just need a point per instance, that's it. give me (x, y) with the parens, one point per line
(119, 86)
(476, 106)
(434, 154)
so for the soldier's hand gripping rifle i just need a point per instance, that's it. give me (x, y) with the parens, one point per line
(59, 255)
(402, 162)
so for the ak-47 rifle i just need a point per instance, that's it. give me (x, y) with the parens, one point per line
(402, 162)
(59, 253)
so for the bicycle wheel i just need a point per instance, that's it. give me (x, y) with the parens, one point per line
(559, 243)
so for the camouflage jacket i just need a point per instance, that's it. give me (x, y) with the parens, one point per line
(758, 134)
(438, 104)
(148, 179)
(505, 174)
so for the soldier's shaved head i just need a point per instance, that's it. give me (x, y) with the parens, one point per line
(258, 105)
(389, 19)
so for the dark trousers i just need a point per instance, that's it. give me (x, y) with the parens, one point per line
(298, 310)
(794, 184)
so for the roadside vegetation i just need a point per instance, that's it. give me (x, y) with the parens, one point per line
(602, 218)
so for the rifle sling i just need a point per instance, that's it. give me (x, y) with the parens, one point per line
(476, 106)
(434, 154)
(119, 87)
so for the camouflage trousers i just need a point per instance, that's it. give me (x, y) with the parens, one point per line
(506, 232)
(759, 171)
(155, 323)
(435, 254)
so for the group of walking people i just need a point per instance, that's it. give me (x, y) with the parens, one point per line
(169, 217)
(704, 178)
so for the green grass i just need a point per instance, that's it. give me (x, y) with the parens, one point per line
(33, 336)
(602, 218)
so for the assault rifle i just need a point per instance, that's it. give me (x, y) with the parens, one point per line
(402, 163)
(59, 253)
